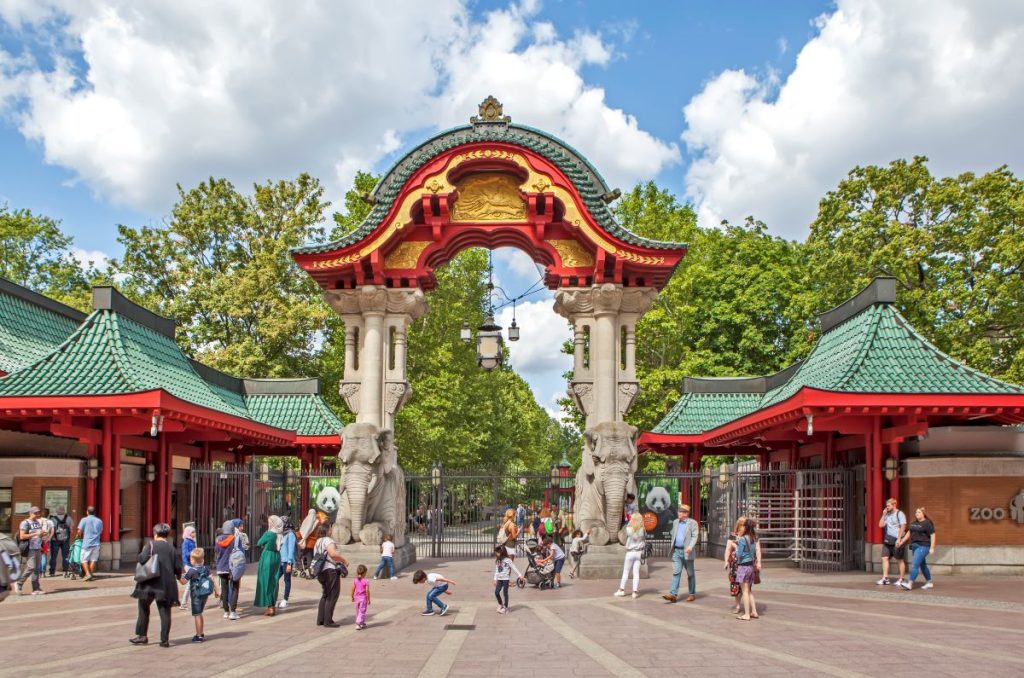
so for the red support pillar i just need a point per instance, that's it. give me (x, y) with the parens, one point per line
(894, 484)
(695, 463)
(159, 507)
(115, 497)
(90, 483)
(303, 484)
(829, 460)
(148, 490)
(106, 480)
(873, 477)
(168, 480)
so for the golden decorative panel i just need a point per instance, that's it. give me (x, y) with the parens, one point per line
(572, 254)
(489, 196)
(639, 259)
(406, 254)
(339, 261)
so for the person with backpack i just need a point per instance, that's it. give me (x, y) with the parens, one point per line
(894, 524)
(230, 558)
(10, 565)
(60, 545)
(30, 544)
(200, 585)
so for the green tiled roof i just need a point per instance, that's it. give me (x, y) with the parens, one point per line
(700, 412)
(110, 354)
(867, 347)
(30, 329)
(306, 414)
(584, 177)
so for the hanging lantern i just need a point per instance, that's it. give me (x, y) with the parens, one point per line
(513, 331)
(465, 334)
(489, 345)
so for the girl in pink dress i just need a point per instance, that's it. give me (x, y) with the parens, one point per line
(361, 596)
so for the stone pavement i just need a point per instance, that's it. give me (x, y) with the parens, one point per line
(839, 625)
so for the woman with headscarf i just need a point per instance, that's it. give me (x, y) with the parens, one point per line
(270, 565)
(188, 544)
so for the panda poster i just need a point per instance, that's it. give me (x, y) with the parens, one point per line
(657, 500)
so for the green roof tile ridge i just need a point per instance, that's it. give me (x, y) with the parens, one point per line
(119, 356)
(564, 156)
(875, 317)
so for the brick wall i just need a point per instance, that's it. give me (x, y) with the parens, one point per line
(949, 500)
(29, 489)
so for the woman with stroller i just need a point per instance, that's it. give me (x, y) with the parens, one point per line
(636, 541)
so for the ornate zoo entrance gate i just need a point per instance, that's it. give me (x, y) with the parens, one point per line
(810, 518)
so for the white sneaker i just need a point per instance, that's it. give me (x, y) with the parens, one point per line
(504, 610)
(39, 593)
(928, 585)
(635, 594)
(227, 615)
(394, 579)
(620, 593)
(233, 616)
(283, 604)
(17, 588)
(883, 582)
(375, 577)
(905, 586)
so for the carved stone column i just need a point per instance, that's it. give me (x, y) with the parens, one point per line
(377, 319)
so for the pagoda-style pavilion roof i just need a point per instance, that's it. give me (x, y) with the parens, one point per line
(867, 349)
(122, 349)
(31, 325)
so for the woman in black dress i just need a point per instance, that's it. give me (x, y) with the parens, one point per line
(162, 589)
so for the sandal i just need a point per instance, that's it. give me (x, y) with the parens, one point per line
(743, 618)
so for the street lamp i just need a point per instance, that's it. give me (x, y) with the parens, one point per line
(435, 522)
(892, 468)
(513, 330)
(489, 345)
(93, 468)
(150, 473)
(465, 334)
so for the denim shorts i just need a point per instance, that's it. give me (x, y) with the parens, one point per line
(198, 605)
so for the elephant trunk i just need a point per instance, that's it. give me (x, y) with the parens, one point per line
(614, 497)
(357, 480)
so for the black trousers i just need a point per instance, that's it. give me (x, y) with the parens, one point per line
(229, 592)
(500, 588)
(142, 624)
(331, 586)
(62, 548)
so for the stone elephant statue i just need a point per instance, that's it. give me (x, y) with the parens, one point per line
(604, 479)
(372, 486)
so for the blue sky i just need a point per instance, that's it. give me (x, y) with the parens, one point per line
(740, 108)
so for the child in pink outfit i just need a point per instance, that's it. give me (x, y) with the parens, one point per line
(361, 596)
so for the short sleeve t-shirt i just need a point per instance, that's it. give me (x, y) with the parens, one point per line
(892, 523)
(387, 549)
(91, 528)
(432, 578)
(556, 552)
(27, 525)
(921, 532)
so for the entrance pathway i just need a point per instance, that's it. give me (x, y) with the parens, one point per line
(840, 625)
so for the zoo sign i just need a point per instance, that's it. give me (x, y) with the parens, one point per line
(1015, 512)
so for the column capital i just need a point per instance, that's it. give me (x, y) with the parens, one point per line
(377, 300)
(607, 298)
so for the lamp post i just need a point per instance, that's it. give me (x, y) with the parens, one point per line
(892, 468)
(93, 468)
(438, 510)
(150, 473)
(489, 345)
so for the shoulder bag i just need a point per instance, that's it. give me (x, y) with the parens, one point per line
(150, 569)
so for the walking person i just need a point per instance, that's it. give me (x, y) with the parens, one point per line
(188, 544)
(232, 539)
(289, 553)
(361, 596)
(894, 522)
(921, 534)
(685, 533)
(60, 545)
(503, 568)
(748, 565)
(636, 541)
(47, 538)
(89, 530)
(199, 586)
(162, 589)
(735, 590)
(330, 587)
(269, 567)
(387, 557)
(438, 586)
(31, 531)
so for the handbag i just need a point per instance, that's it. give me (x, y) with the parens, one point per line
(236, 561)
(150, 569)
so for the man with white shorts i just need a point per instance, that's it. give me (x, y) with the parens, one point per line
(89, 530)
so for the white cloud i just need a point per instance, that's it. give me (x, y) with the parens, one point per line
(162, 93)
(881, 80)
(518, 262)
(87, 258)
(542, 333)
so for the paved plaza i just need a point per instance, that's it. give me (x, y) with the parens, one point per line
(839, 625)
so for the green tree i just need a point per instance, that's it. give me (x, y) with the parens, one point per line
(36, 253)
(221, 267)
(954, 245)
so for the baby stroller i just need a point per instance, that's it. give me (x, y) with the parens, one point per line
(75, 560)
(541, 576)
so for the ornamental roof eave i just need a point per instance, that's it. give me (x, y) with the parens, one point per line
(586, 180)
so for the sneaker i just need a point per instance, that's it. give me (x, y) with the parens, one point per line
(427, 613)
(504, 610)
(635, 595)
(558, 586)
(928, 585)
(39, 593)
(227, 615)
(375, 577)
(17, 588)
(444, 611)
(283, 604)
(196, 639)
(905, 586)
(899, 581)
(500, 608)
(233, 616)
(620, 593)
(394, 579)
(883, 582)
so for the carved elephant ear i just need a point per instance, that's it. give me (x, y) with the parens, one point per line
(388, 453)
(345, 453)
(634, 433)
(591, 440)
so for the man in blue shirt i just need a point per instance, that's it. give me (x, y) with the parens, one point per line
(89, 530)
(685, 533)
